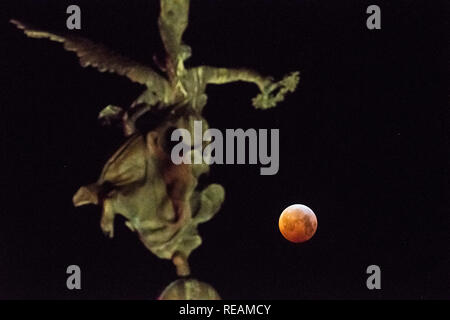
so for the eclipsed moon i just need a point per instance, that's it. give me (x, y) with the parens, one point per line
(297, 223)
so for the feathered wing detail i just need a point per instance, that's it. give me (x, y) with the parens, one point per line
(99, 56)
(172, 22)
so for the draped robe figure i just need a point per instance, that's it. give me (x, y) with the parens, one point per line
(160, 200)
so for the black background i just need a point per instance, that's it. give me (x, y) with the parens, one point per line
(363, 143)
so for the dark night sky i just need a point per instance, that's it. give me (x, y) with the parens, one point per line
(363, 143)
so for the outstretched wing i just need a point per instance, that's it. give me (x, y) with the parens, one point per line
(172, 22)
(98, 56)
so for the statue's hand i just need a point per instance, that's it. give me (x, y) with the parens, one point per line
(274, 92)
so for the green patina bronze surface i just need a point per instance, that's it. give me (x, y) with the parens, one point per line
(159, 199)
(189, 289)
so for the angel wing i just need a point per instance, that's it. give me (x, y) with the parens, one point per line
(172, 22)
(99, 57)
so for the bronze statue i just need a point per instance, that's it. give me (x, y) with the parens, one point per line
(159, 199)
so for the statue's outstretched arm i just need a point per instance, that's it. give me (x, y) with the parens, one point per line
(213, 75)
(271, 92)
(100, 57)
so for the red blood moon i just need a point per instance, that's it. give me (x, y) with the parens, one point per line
(297, 223)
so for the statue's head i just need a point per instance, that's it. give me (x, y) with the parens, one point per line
(185, 52)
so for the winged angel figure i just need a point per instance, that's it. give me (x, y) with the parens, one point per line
(160, 200)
